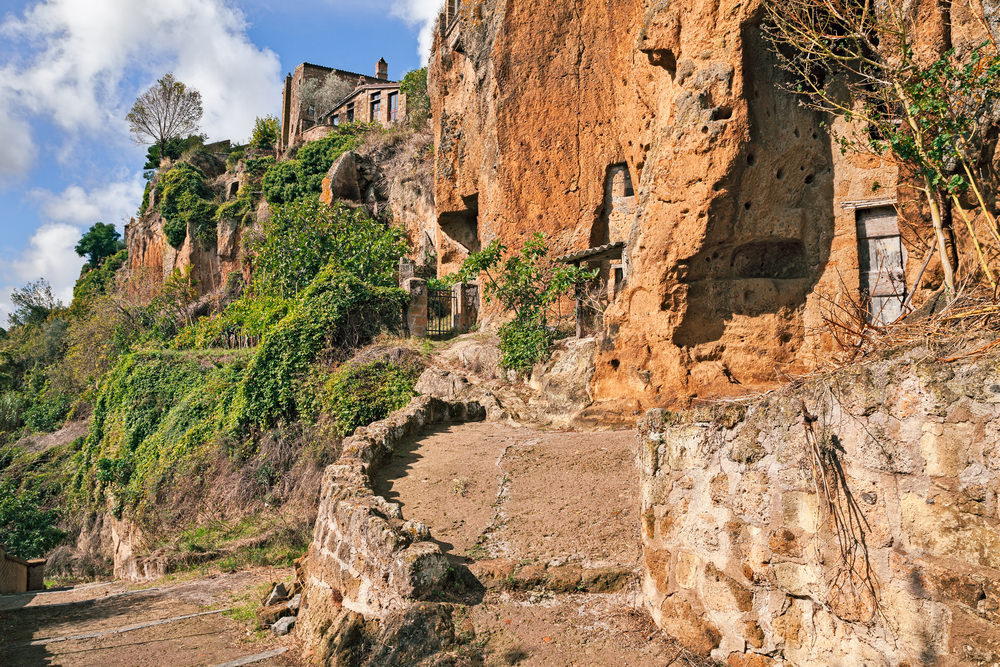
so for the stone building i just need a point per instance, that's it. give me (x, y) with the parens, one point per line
(297, 117)
(371, 102)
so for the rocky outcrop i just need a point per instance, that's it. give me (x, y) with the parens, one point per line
(391, 175)
(662, 125)
(853, 520)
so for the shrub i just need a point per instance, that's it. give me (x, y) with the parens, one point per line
(184, 201)
(265, 133)
(303, 237)
(27, 530)
(337, 311)
(528, 284)
(359, 394)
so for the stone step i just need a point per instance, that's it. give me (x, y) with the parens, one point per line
(507, 574)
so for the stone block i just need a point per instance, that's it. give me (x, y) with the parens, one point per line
(283, 625)
(946, 448)
(800, 510)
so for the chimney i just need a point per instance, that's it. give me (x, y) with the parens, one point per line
(382, 70)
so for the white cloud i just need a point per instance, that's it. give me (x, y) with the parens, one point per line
(79, 64)
(17, 150)
(114, 202)
(50, 254)
(423, 13)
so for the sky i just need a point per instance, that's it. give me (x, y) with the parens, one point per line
(70, 70)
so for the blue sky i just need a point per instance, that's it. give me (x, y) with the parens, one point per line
(70, 69)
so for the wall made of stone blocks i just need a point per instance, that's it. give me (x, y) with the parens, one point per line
(364, 559)
(742, 558)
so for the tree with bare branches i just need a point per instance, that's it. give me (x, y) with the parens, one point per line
(931, 112)
(168, 110)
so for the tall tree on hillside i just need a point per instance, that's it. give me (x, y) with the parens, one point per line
(168, 110)
(100, 242)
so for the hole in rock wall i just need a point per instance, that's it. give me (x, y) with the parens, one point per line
(462, 226)
(779, 259)
(664, 58)
(614, 218)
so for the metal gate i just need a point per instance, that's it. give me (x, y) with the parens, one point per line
(882, 263)
(441, 308)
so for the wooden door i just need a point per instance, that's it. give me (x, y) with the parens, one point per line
(882, 262)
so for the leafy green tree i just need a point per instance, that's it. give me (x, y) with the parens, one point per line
(265, 133)
(98, 243)
(418, 102)
(27, 530)
(173, 149)
(32, 303)
(167, 110)
(529, 285)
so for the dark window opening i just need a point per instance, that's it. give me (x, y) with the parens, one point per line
(376, 105)
(350, 112)
(393, 107)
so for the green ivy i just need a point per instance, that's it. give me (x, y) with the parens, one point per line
(357, 395)
(185, 201)
(27, 530)
(291, 180)
(302, 237)
(336, 312)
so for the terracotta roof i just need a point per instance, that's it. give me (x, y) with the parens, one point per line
(608, 251)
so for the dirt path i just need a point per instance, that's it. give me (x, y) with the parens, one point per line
(548, 522)
(172, 624)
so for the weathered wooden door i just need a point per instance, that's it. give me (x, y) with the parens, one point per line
(882, 262)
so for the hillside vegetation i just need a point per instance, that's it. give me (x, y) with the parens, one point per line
(206, 429)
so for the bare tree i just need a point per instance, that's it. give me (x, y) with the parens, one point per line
(168, 110)
(324, 95)
(859, 60)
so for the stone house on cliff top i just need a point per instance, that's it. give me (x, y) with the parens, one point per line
(657, 139)
(373, 99)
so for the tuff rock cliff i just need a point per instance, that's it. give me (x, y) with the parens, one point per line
(737, 207)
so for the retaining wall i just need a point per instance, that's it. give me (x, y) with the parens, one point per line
(878, 544)
(364, 559)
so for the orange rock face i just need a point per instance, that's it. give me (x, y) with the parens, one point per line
(733, 202)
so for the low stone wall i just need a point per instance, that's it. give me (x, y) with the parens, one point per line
(864, 533)
(364, 559)
(20, 576)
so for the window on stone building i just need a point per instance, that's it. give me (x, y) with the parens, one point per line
(312, 111)
(393, 107)
(376, 106)
(336, 119)
(881, 263)
(350, 112)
